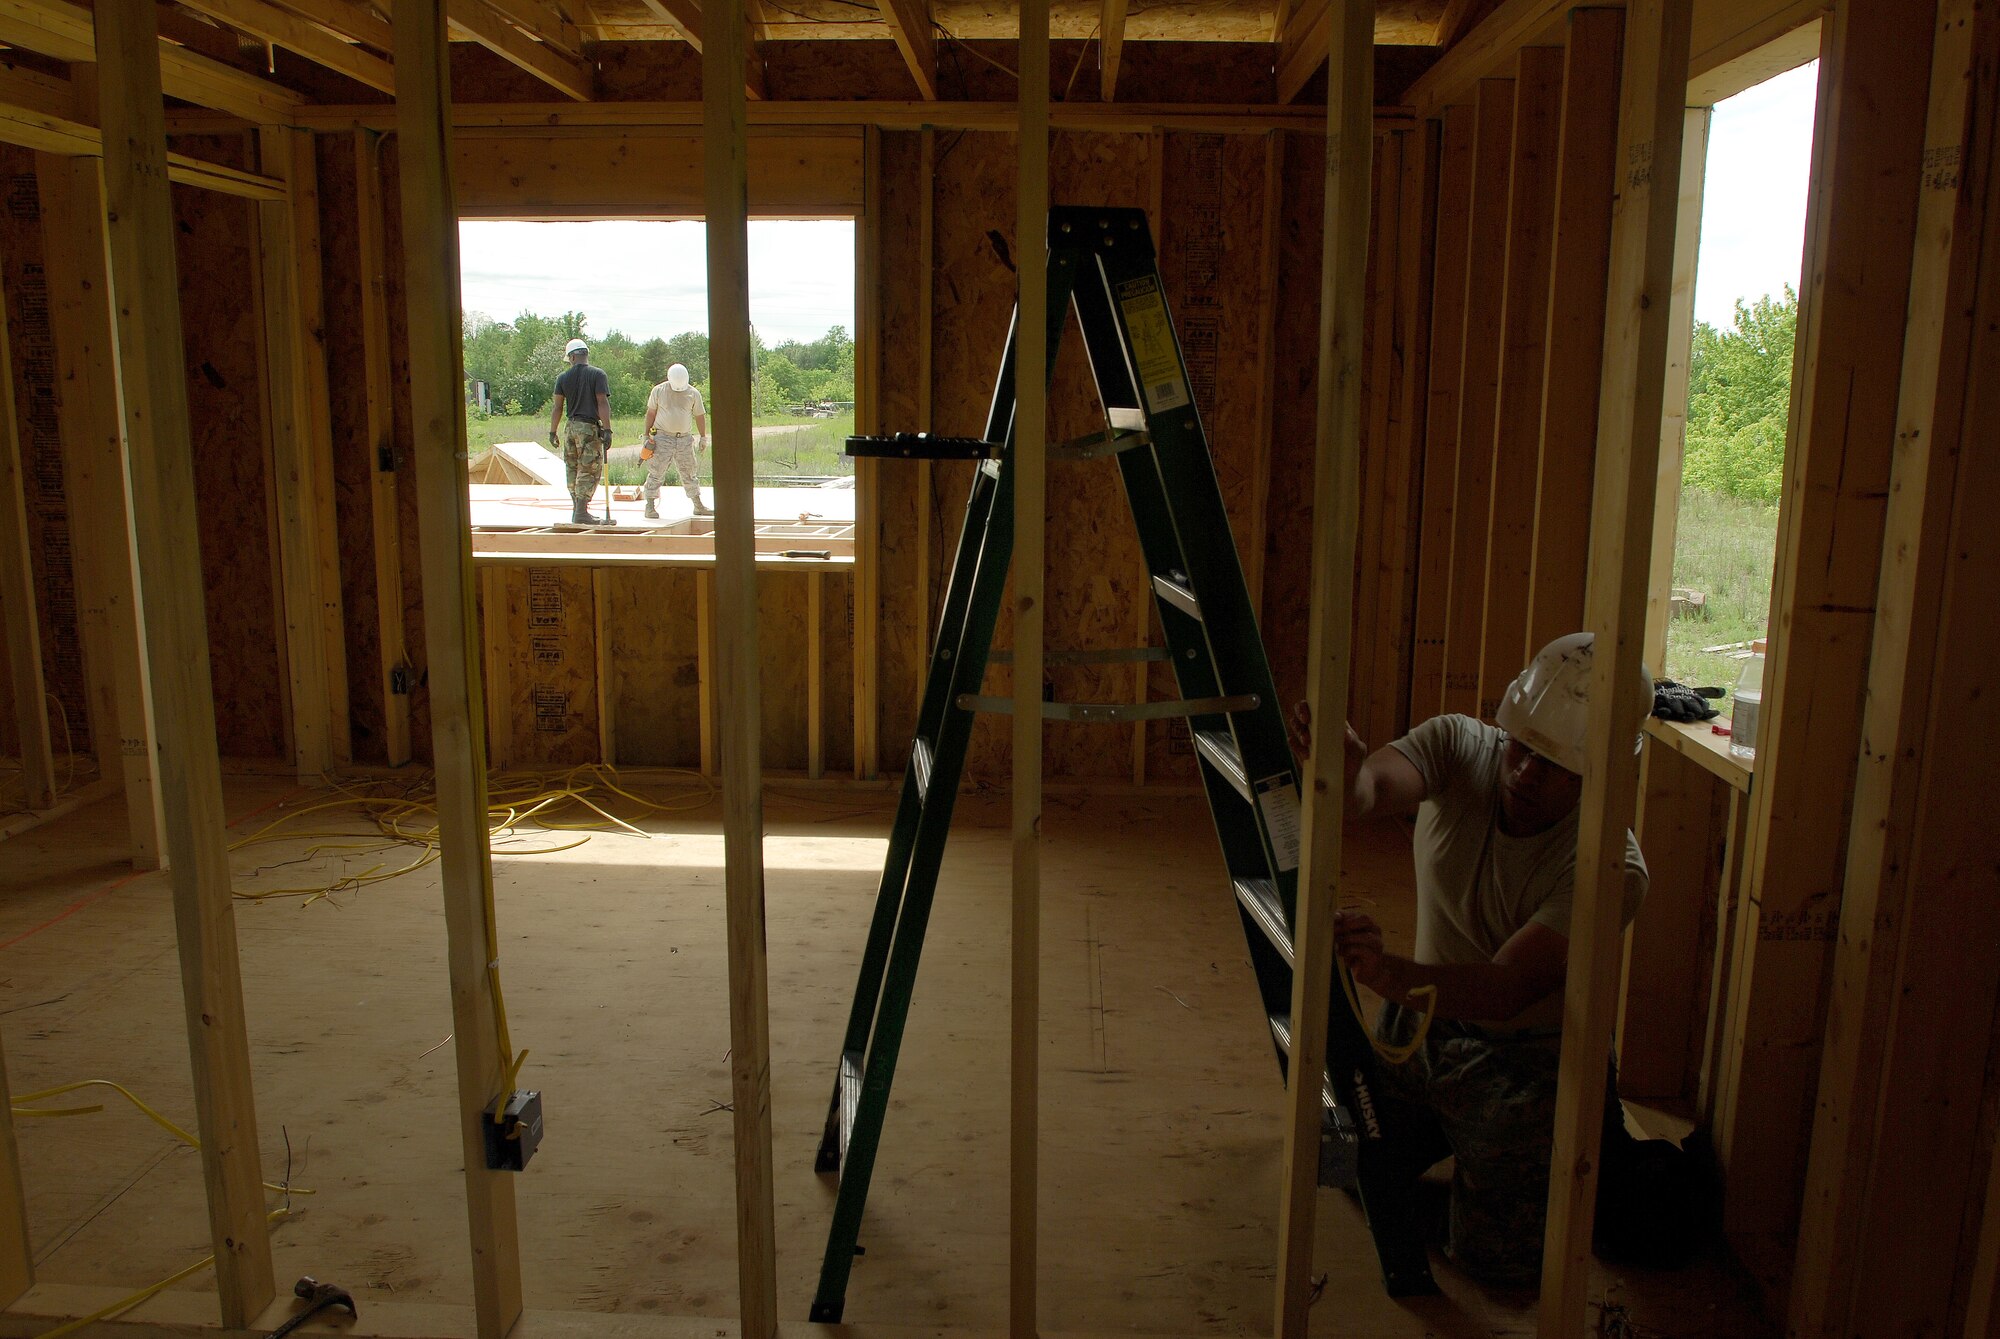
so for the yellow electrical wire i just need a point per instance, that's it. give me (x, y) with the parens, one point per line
(1395, 1055)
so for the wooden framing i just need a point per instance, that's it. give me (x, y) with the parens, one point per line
(142, 254)
(684, 17)
(910, 24)
(1110, 46)
(926, 301)
(1860, 227)
(279, 27)
(1030, 571)
(1479, 392)
(483, 1051)
(1268, 288)
(1629, 408)
(1680, 354)
(1916, 971)
(1586, 180)
(725, 175)
(867, 478)
(17, 1260)
(379, 437)
(565, 73)
(1436, 523)
(95, 465)
(1303, 45)
(17, 601)
(1523, 334)
(1337, 509)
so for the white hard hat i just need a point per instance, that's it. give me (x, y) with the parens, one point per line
(574, 347)
(677, 377)
(1547, 707)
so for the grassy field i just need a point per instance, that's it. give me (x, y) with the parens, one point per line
(785, 447)
(1724, 548)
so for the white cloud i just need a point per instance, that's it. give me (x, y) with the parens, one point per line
(647, 279)
(1753, 220)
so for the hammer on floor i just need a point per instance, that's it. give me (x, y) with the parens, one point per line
(318, 1297)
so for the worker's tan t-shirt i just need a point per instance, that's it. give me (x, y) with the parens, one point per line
(1475, 884)
(677, 409)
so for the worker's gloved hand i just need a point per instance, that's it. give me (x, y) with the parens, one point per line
(1677, 702)
(553, 444)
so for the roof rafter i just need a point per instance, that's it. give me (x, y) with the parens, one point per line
(1303, 46)
(1110, 47)
(910, 24)
(63, 30)
(684, 17)
(345, 18)
(267, 23)
(558, 69)
(542, 20)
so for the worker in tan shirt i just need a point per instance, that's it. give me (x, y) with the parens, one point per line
(676, 426)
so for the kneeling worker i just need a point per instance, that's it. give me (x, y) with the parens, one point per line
(675, 422)
(585, 392)
(1495, 855)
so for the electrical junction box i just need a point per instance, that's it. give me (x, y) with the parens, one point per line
(511, 1140)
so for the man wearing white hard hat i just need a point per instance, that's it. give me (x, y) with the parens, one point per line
(675, 421)
(1495, 850)
(585, 441)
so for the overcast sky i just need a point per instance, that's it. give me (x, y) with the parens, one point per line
(1753, 223)
(648, 279)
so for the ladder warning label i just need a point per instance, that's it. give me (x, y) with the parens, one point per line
(1278, 801)
(1152, 336)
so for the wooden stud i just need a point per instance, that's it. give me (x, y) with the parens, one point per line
(684, 17)
(815, 675)
(1915, 970)
(299, 486)
(275, 396)
(1336, 507)
(926, 302)
(1523, 333)
(1680, 357)
(1415, 256)
(1586, 180)
(141, 234)
(1728, 893)
(17, 1258)
(484, 1052)
(867, 478)
(1030, 478)
(1384, 469)
(316, 423)
(1860, 229)
(92, 421)
(1488, 47)
(17, 601)
(380, 445)
(1437, 522)
(727, 193)
(1110, 46)
(1479, 393)
(1629, 407)
(607, 678)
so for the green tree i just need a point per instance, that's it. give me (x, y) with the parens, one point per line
(1739, 400)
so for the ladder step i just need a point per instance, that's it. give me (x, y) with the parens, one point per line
(1218, 750)
(920, 763)
(1281, 1030)
(1178, 594)
(850, 1099)
(1260, 898)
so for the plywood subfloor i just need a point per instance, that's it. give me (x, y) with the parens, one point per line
(1161, 1102)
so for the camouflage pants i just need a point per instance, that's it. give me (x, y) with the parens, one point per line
(583, 459)
(675, 449)
(1491, 1105)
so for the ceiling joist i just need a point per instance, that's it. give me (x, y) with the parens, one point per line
(1110, 47)
(345, 18)
(63, 30)
(267, 23)
(568, 75)
(910, 23)
(541, 20)
(1303, 45)
(684, 17)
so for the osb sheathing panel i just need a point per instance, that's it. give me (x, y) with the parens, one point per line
(31, 348)
(547, 629)
(223, 333)
(353, 467)
(655, 666)
(901, 640)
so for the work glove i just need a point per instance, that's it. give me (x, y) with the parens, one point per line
(604, 443)
(554, 445)
(1677, 702)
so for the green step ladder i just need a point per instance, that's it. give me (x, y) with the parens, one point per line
(1103, 261)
